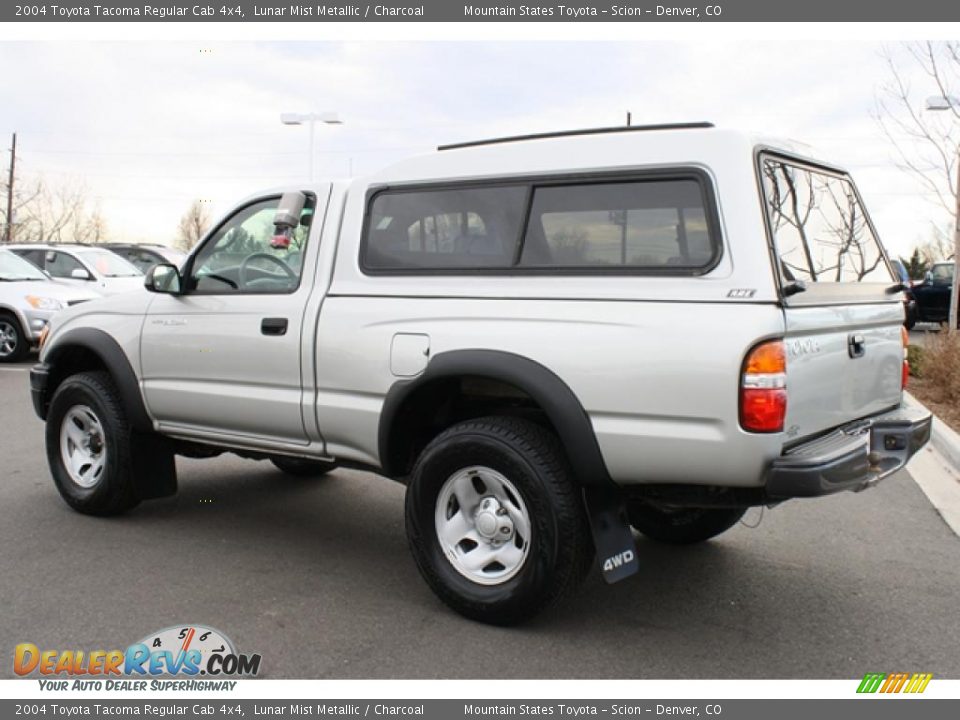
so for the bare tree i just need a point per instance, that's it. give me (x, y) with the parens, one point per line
(193, 225)
(926, 143)
(939, 246)
(60, 213)
(24, 194)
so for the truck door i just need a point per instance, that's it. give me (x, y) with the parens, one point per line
(225, 356)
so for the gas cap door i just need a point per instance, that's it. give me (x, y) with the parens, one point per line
(409, 354)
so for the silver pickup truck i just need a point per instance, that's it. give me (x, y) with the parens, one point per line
(552, 340)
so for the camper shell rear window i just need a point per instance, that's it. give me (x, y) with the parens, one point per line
(818, 225)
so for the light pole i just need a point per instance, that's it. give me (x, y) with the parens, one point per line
(311, 119)
(948, 102)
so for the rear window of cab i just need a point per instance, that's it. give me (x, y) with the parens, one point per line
(655, 224)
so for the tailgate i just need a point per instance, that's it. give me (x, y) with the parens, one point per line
(843, 313)
(843, 363)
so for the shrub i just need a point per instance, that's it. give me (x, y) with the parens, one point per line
(938, 363)
(915, 358)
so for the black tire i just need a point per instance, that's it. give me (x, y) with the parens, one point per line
(301, 467)
(11, 332)
(682, 526)
(114, 491)
(560, 549)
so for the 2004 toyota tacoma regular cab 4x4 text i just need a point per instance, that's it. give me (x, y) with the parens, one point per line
(548, 339)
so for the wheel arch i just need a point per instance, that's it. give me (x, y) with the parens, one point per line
(552, 395)
(93, 349)
(6, 309)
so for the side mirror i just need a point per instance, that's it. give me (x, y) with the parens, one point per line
(163, 278)
(80, 274)
(928, 277)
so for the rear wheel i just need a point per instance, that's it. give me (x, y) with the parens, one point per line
(682, 526)
(495, 521)
(14, 345)
(301, 467)
(89, 446)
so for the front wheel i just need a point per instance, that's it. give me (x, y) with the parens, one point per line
(14, 345)
(89, 446)
(682, 526)
(494, 520)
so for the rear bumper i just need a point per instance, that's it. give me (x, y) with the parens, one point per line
(853, 457)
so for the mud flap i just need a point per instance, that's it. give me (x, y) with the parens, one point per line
(612, 535)
(154, 468)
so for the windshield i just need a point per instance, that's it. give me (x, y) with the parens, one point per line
(108, 264)
(13, 267)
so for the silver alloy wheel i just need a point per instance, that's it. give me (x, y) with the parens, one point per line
(9, 338)
(483, 525)
(82, 446)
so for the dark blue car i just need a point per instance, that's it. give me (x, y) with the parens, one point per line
(932, 296)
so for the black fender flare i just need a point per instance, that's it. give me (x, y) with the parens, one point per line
(114, 359)
(552, 394)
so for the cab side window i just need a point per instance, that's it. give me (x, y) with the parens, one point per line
(244, 256)
(61, 265)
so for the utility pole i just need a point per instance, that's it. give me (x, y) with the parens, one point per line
(629, 118)
(8, 237)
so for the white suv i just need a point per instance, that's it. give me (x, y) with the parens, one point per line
(549, 339)
(85, 266)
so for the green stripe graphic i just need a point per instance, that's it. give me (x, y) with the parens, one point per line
(871, 682)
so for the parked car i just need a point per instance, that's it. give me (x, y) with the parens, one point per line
(28, 299)
(909, 301)
(146, 256)
(548, 339)
(86, 266)
(933, 294)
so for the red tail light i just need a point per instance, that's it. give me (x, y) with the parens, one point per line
(763, 388)
(905, 372)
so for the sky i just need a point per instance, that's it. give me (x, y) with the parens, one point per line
(148, 127)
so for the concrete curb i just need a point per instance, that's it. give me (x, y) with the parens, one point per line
(936, 469)
(942, 437)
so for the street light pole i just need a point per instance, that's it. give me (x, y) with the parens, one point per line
(947, 102)
(311, 119)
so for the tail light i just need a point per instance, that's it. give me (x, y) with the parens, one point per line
(763, 388)
(905, 371)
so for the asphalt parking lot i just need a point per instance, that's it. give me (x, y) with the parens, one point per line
(315, 576)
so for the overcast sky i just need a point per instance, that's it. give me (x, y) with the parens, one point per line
(150, 126)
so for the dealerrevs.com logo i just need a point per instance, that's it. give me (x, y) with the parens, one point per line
(179, 651)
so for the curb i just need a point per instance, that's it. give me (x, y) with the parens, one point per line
(936, 469)
(942, 437)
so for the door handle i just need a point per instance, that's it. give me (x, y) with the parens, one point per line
(273, 326)
(855, 345)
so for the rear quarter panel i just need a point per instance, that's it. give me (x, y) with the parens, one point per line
(658, 380)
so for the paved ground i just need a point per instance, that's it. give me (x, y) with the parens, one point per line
(315, 575)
